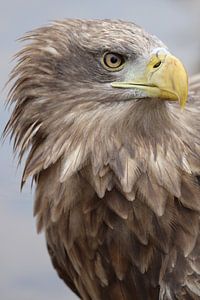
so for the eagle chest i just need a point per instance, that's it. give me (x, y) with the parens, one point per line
(108, 241)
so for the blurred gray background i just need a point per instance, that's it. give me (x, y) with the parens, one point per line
(25, 269)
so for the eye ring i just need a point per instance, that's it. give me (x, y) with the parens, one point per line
(112, 61)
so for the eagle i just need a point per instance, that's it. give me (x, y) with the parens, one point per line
(111, 131)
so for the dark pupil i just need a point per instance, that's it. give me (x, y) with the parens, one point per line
(114, 59)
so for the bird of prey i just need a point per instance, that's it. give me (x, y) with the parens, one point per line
(114, 150)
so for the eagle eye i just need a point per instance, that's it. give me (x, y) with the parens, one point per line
(112, 61)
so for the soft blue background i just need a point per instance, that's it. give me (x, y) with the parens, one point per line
(25, 269)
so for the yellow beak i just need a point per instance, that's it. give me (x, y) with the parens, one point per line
(164, 77)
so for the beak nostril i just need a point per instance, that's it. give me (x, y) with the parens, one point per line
(157, 65)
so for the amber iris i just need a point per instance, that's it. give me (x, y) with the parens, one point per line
(113, 61)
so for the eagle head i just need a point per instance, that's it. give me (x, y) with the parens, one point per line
(78, 81)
